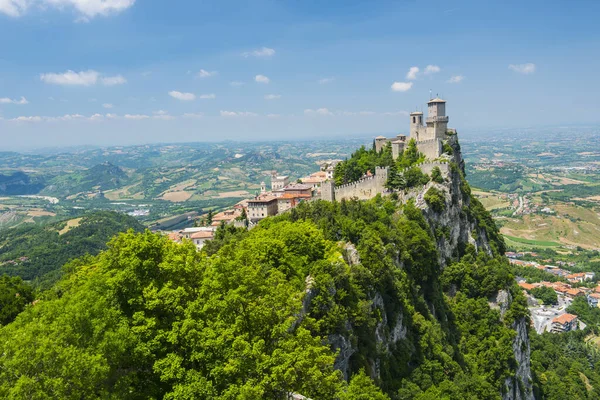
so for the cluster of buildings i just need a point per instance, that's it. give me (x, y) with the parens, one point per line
(555, 270)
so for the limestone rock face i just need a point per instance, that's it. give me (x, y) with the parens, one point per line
(519, 387)
(453, 230)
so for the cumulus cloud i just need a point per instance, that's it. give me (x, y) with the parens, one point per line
(6, 100)
(412, 73)
(401, 86)
(525, 69)
(206, 74)
(86, 9)
(431, 69)
(27, 119)
(318, 111)
(238, 114)
(261, 79)
(107, 105)
(325, 81)
(236, 83)
(456, 79)
(136, 117)
(113, 80)
(14, 8)
(193, 115)
(262, 52)
(395, 113)
(182, 96)
(72, 78)
(208, 96)
(272, 96)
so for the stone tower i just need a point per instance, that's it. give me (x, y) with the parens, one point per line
(416, 124)
(328, 190)
(437, 121)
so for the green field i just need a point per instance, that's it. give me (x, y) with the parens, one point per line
(535, 243)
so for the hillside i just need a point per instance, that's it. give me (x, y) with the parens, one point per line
(18, 183)
(38, 252)
(301, 304)
(101, 177)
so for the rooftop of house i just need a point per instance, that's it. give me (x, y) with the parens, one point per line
(202, 235)
(174, 236)
(297, 186)
(594, 295)
(262, 199)
(527, 286)
(564, 319)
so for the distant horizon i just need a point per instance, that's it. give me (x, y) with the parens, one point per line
(468, 134)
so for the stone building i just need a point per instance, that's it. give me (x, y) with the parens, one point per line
(429, 135)
(279, 182)
(262, 207)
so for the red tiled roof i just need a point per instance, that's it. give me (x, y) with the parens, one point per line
(565, 318)
(202, 235)
(526, 286)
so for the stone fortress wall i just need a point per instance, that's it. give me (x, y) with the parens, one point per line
(369, 187)
(429, 138)
(365, 188)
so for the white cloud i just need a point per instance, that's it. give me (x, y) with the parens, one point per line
(395, 113)
(325, 81)
(193, 115)
(272, 96)
(261, 79)
(238, 114)
(401, 86)
(206, 74)
(319, 111)
(86, 9)
(136, 116)
(273, 115)
(262, 52)
(160, 112)
(236, 83)
(27, 119)
(432, 69)
(83, 78)
(6, 100)
(182, 96)
(208, 96)
(107, 105)
(14, 8)
(412, 73)
(456, 79)
(113, 80)
(525, 69)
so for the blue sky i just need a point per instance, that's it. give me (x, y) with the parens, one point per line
(78, 72)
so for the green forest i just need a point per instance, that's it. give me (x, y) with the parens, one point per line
(333, 300)
(37, 252)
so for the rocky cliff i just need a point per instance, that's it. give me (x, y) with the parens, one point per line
(460, 223)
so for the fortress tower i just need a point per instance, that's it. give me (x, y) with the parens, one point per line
(417, 129)
(437, 121)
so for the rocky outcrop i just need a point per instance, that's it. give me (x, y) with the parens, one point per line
(519, 386)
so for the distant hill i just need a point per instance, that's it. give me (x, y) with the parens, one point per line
(18, 183)
(33, 251)
(101, 177)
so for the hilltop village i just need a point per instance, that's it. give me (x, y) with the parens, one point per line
(284, 194)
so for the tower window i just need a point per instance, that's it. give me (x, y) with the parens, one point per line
(414, 119)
